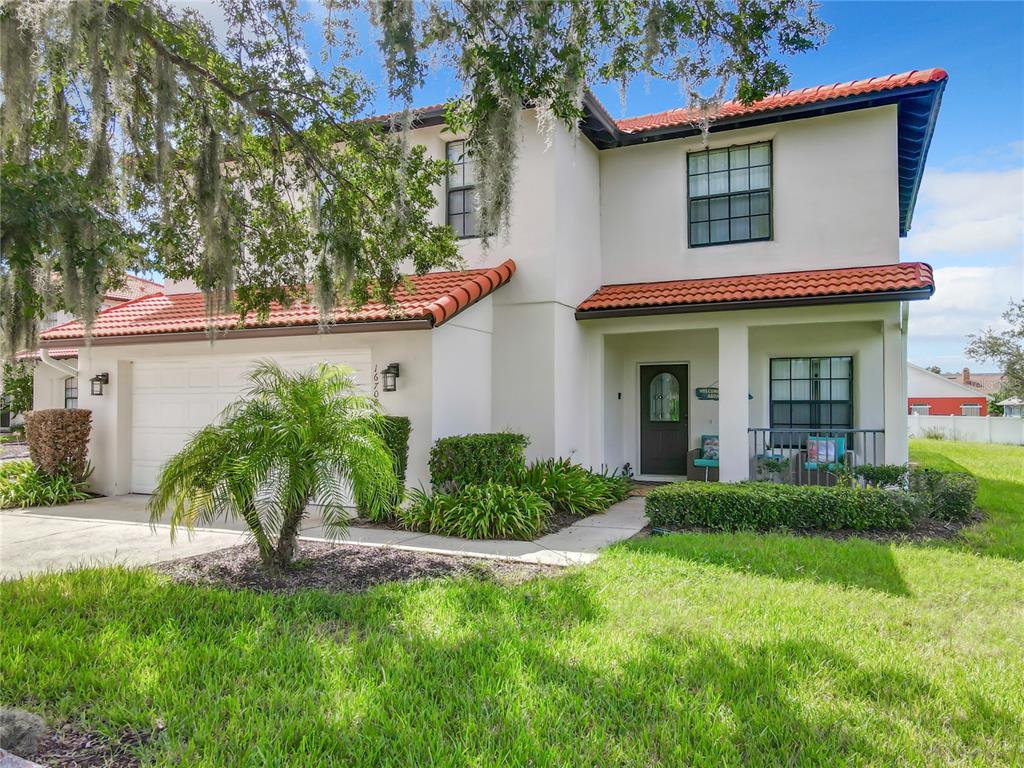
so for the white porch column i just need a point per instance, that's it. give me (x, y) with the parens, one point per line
(894, 382)
(733, 409)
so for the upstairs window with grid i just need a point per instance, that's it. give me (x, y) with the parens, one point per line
(462, 191)
(730, 194)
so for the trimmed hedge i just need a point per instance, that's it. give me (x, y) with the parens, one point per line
(883, 475)
(947, 495)
(58, 440)
(396, 435)
(460, 460)
(767, 506)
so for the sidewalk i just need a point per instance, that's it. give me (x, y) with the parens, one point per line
(117, 529)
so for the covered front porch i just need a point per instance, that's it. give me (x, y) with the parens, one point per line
(788, 394)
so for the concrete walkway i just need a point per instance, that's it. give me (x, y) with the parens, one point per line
(117, 530)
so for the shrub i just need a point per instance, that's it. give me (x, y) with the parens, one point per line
(946, 495)
(486, 511)
(475, 459)
(883, 475)
(23, 485)
(396, 436)
(570, 488)
(58, 440)
(765, 506)
(395, 431)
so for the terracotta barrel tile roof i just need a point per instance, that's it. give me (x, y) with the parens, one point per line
(133, 288)
(780, 286)
(434, 298)
(801, 97)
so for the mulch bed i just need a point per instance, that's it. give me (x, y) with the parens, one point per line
(339, 568)
(71, 747)
(927, 529)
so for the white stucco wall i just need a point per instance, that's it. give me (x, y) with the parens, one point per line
(834, 199)
(461, 373)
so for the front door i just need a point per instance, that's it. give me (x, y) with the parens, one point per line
(663, 432)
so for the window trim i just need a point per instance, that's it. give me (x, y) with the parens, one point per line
(964, 406)
(927, 409)
(849, 402)
(67, 380)
(709, 197)
(448, 189)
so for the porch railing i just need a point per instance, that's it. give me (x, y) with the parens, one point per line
(781, 454)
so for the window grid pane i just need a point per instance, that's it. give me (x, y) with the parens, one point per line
(811, 393)
(732, 186)
(461, 212)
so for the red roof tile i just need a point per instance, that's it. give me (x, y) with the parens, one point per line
(133, 288)
(803, 96)
(779, 286)
(435, 297)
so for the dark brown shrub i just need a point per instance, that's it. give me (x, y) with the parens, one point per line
(58, 440)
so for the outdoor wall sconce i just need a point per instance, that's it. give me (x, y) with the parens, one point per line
(390, 375)
(98, 381)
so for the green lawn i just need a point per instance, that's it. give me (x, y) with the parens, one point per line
(678, 650)
(1000, 472)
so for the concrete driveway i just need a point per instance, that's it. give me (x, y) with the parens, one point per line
(96, 532)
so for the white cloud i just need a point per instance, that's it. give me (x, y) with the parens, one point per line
(968, 212)
(966, 300)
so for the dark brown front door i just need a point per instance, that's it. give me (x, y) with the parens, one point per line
(663, 433)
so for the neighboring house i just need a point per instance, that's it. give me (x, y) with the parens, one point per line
(652, 289)
(1013, 407)
(932, 394)
(987, 384)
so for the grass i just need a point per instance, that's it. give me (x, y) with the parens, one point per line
(1000, 473)
(690, 649)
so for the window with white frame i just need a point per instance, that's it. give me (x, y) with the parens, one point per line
(71, 392)
(920, 409)
(729, 193)
(970, 409)
(462, 207)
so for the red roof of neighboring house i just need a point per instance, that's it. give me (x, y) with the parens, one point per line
(779, 287)
(435, 298)
(800, 97)
(133, 288)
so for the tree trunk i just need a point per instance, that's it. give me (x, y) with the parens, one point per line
(285, 550)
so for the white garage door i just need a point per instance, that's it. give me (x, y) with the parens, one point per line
(172, 399)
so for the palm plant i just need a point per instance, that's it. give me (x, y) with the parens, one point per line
(293, 439)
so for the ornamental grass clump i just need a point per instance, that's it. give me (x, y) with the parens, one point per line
(572, 489)
(292, 440)
(22, 484)
(486, 511)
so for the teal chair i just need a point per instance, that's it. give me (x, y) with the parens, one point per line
(708, 456)
(823, 456)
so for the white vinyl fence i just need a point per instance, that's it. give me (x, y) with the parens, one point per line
(972, 429)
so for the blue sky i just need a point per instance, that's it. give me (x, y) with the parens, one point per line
(969, 220)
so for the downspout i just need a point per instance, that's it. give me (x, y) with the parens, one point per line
(67, 370)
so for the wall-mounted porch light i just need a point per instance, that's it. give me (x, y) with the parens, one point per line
(390, 377)
(98, 381)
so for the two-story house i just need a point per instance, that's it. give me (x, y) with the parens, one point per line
(653, 288)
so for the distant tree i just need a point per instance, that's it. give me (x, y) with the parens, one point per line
(934, 369)
(1005, 347)
(16, 386)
